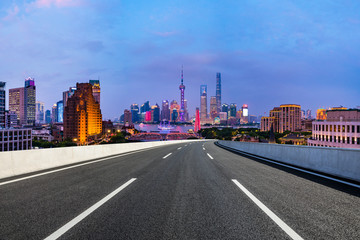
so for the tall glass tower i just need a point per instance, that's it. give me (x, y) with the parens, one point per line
(218, 92)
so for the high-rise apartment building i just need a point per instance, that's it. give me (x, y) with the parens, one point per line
(203, 102)
(40, 112)
(287, 117)
(245, 113)
(30, 101)
(213, 107)
(95, 89)
(218, 91)
(54, 114)
(2, 104)
(82, 115)
(165, 110)
(10, 119)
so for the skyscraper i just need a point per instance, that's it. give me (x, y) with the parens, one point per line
(232, 110)
(47, 116)
(174, 110)
(127, 117)
(2, 104)
(16, 103)
(245, 113)
(40, 113)
(203, 102)
(155, 113)
(95, 89)
(165, 110)
(197, 126)
(145, 107)
(134, 108)
(54, 113)
(60, 111)
(82, 115)
(225, 108)
(29, 101)
(182, 93)
(218, 91)
(68, 94)
(287, 117)
(213, 107)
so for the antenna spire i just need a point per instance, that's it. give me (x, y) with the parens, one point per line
(182, 74)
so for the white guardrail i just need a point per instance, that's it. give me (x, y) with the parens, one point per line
(20, 162)
(341, 162)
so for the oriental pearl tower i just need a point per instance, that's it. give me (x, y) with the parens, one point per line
(182, 90)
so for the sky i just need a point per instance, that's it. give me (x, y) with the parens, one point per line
(268, 52)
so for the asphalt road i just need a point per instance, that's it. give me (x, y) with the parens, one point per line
(192, 193)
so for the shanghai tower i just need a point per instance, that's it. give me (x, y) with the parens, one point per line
(218, 92)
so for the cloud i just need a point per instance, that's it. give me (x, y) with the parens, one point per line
(57, 3)
(94, 46)
(11, 13)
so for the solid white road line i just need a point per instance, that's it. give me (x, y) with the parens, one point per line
(203, 148)
(87, 212)
(179, 148)
(272, 215)
(167, 155)
(210, 156)
(65, 168)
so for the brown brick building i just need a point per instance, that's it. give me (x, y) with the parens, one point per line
(82, 115)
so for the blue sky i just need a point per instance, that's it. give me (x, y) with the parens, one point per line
(269, 52)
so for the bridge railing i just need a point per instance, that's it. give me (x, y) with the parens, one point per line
(341, 162)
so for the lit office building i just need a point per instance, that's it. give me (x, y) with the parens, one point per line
(68, 94)
(340, 129)
(2, 104)
(245, 113)
(287, 117)
(155, 113)
(40, 112)
(95, 89)
(16, 103)
(165, 110)
(232, 110)
(203, 103)
(213, 108)
(82, 115)
(10, 119)
(218, 92)
(29, 101)
(134, 108)
(175, 111)
(225, 108)
(47, 116)
(60, 111)
(127, 117)
(321, 114)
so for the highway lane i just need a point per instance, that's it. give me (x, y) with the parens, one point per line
(188, 194)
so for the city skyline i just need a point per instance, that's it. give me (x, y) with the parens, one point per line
(296, 53)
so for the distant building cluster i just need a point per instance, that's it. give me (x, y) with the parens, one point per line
(77, 117)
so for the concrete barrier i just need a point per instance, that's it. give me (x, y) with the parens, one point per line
(341, 162)
(21, 162)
